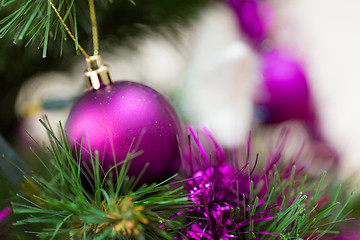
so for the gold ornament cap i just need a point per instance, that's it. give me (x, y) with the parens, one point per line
(97, 74)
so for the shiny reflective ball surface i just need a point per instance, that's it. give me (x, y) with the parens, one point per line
(127, 117)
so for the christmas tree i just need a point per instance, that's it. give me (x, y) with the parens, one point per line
(126, 166)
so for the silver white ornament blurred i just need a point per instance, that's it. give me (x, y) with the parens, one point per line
(50, 94)
(220, 76)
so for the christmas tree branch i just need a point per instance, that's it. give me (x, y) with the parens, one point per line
(33, 19)
(74, 203)
(68, 30)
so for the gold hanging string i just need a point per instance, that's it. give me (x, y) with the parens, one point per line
(67, 30)
(97, 74)
(94, 27)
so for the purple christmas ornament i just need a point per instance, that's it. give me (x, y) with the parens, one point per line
(4, 212)
(254, 18)
(284, 92)
(126, 117)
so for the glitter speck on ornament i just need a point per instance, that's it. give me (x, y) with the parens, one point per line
(125, 126)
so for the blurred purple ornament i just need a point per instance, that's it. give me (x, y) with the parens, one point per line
(284, 92)
(125, 117)
(349, 231)
(4, 212)
(254, 18)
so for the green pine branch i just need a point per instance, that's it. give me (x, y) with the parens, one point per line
(72, 203)
(303, 218)
(35, 20)
(34, 23)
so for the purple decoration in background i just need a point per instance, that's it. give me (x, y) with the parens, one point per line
(4, 213)
(126, 117)
(351, 231)
(254, 18)
(284, 92)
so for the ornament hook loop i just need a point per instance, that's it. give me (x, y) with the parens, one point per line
(97, 74)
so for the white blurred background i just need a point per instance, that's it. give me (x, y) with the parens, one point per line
(327, 35)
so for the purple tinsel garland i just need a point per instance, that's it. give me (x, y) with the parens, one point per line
(219, 189)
